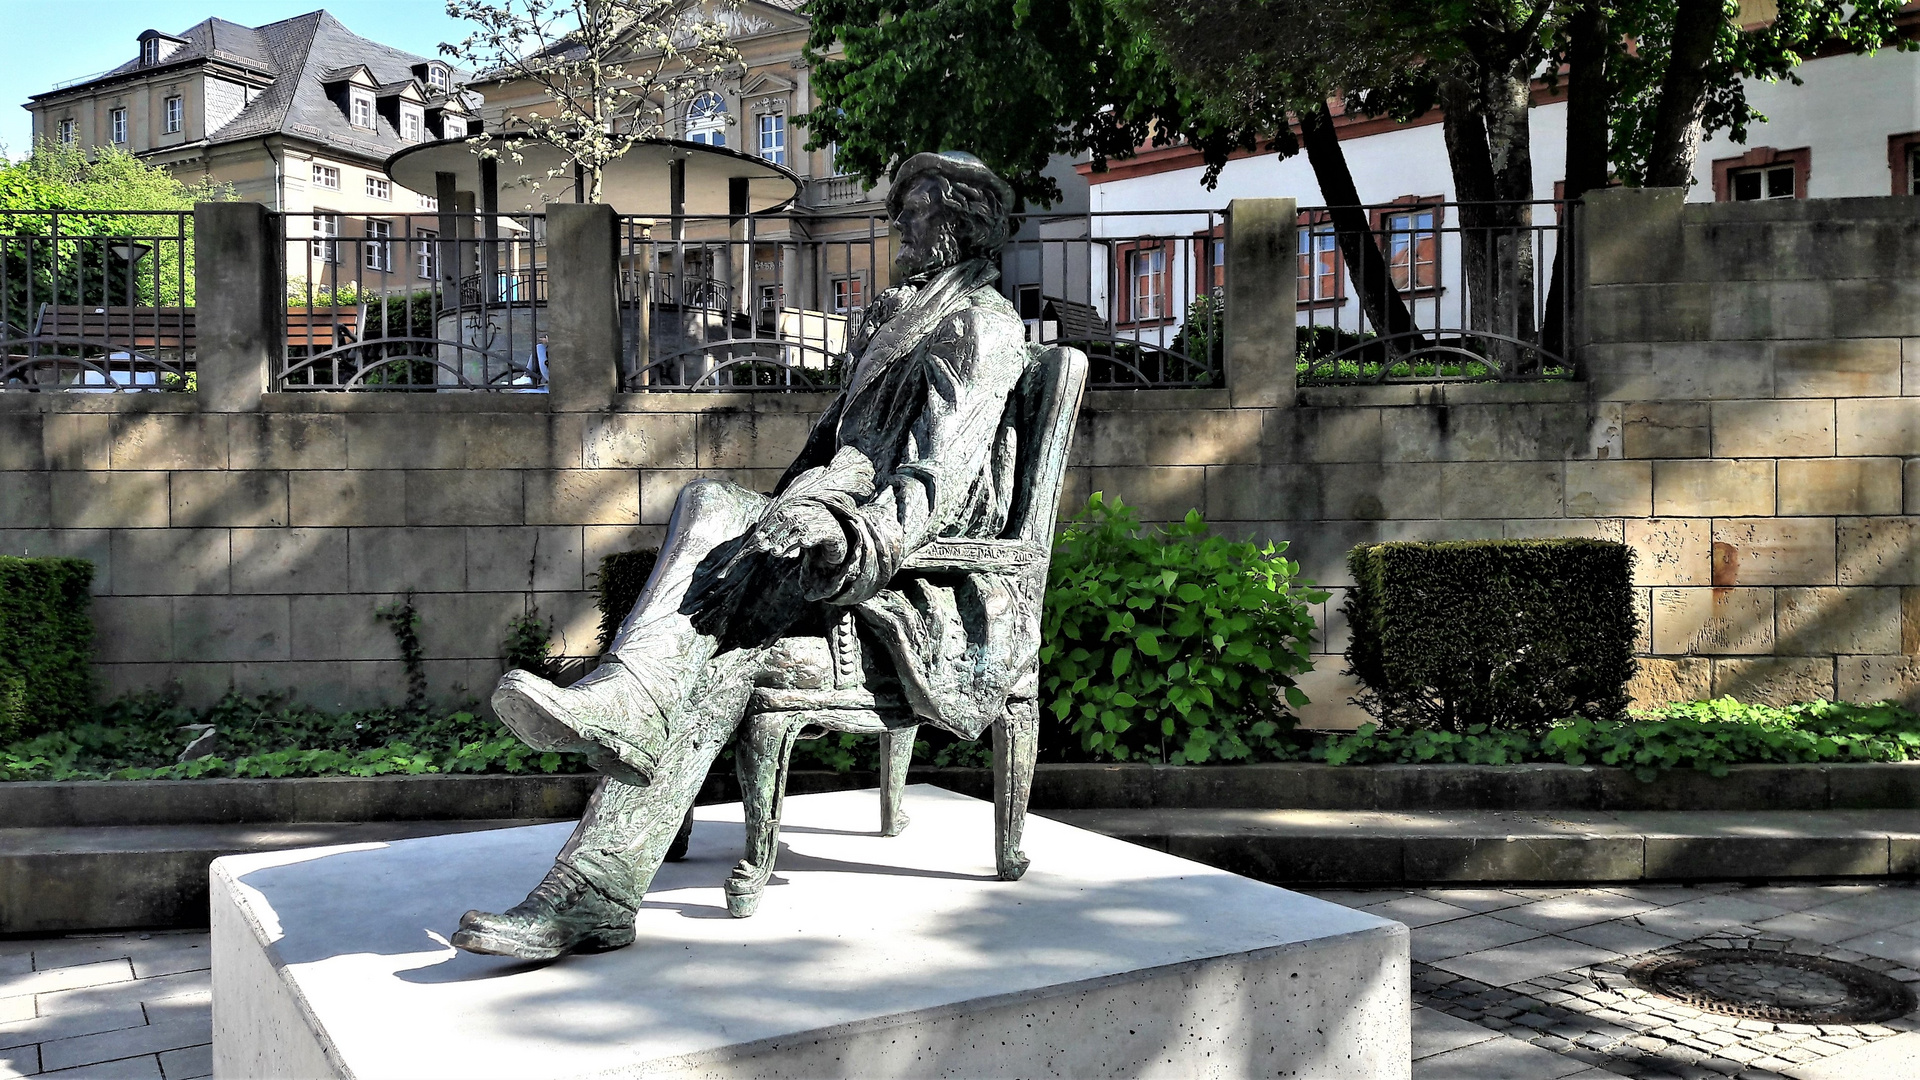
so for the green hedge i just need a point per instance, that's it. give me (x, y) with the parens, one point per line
(46, 644)
(1511, 634)
(623, 575)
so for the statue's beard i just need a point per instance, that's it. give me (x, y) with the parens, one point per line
(941, 251)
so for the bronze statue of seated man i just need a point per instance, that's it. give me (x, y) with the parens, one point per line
(772, 593)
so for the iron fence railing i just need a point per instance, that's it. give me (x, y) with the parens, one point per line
(763, 302)
(1143, 293)
(1429, 290)
(772, 302)
(96, 302)
(414, 302)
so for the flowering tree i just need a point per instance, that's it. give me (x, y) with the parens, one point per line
(612, 71)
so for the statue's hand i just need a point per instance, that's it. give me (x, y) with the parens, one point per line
(802, 526)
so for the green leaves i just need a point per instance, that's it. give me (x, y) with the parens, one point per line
(1709, 736)
(1169, 645)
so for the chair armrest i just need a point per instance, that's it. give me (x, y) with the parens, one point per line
(977, 555)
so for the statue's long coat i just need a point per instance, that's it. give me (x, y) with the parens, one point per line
(926, 404)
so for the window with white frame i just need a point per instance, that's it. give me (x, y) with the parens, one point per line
(66, 131)
(437, 76)
(848, 294)
(118, 119)
(429, 202)
(773, 138)
(455, 127)
(1766, 182)
(175, 113)
(379, 244)
(325, 246)
(149, 52)
(1319, 270)
(410, 123)
(707, 119)
(326, 176)
(1147, 284)
(379, 187)
(1913, 169)
(426, 256)
(771, 297)
(360, 108)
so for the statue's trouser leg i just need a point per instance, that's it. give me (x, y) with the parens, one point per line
(656, 642)
(624, 835)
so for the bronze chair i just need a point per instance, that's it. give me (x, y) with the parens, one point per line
(855, 694)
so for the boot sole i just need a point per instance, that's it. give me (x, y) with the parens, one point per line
(477, 941)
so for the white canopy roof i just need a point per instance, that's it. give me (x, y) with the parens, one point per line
(634, 183)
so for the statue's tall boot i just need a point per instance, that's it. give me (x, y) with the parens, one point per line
(564, 913)
(615, 715)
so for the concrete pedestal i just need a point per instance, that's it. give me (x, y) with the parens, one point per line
(870, 957)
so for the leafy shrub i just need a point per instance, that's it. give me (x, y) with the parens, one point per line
(623, 576)
(1708, 736)
(529, 644)
(138, 738)
(1172, 645)
(1505, 633)
(46, 644)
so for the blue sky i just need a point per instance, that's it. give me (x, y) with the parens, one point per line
(51, 41)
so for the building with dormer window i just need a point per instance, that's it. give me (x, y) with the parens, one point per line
(298, 114)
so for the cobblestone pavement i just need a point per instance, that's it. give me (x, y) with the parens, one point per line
(1525, 984)
(1531, 983)
(138, 1006)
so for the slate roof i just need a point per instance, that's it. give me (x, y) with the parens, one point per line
(300, 53)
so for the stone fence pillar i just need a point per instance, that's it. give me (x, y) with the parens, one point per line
(240, 303)
(583, 305)
(1262, 263)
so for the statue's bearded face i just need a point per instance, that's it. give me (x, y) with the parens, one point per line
(929, 230)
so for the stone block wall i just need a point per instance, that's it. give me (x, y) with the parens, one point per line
(1749, 421)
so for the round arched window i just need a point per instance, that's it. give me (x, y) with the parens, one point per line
(707, 119)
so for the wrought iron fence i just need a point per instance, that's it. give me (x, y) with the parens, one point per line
(772, 302)
(97, 302)
(1141, 292)
(414, 302)
(1428, 291)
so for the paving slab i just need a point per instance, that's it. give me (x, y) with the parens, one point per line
(1524, 960)
(1498, 1059)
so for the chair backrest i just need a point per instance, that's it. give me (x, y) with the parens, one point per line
(1045, 405)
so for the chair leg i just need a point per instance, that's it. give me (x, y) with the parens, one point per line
(896, 752)
(1015, 743)
(761, 758)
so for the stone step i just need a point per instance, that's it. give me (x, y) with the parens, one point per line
(65, 879)
(1317, 847)
(70, 879)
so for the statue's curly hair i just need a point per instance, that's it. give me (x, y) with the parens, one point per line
(983, 215)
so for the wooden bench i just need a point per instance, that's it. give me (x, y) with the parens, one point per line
(147, 329)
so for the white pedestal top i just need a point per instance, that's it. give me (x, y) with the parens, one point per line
(854, 927)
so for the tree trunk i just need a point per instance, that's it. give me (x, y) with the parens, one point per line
(1380, 302)
(1490, 150)
(1677, 121)
(1588, 135)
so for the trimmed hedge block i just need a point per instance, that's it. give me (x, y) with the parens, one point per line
(46, 645)
(623, 576)
(1508, 633)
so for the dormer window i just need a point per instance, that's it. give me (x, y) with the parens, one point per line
(150, 52)
(455, 127)
(410, 123)
(437, 76)
(360, 109)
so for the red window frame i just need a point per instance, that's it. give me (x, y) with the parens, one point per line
(1801, 158)
(1322, 269)
(1418, 238)
(1123, 256)
(1901, 151)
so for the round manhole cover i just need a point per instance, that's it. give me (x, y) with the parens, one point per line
(1781, 987)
